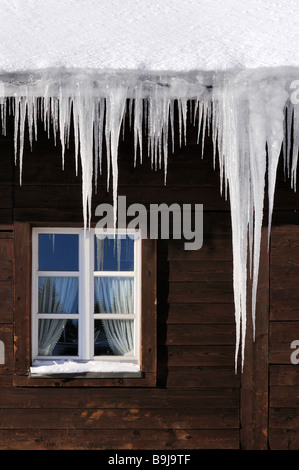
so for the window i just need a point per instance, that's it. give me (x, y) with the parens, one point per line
(92, 307)
(86, 299)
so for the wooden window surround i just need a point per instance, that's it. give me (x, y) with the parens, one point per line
(22, 322)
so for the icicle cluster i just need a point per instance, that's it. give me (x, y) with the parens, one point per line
(251, 117)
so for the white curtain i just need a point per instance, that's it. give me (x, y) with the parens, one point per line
(56, 295)
(116, 295)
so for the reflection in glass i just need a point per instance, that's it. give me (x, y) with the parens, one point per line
(113, 337)
(57, 337)
(58, 252)
(114, 254)
(114, 295)
(58, 294)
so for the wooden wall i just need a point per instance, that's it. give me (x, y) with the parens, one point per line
(284, 329)
(199, 401)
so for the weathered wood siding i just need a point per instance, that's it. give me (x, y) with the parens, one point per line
(199, 401)
(284, 329)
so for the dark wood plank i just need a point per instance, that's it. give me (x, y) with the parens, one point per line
(205, 334)
(286, 198)
(6, 231)
(51, 196)
(73, 398)
(6, 196)
(284, 375)
(6, 301)
(22, 300)
(194, 292)
(5, 382)
(201, 355)
(6, 161)
(60, 216)
(149, 379)
(215, 247)
(283, 274)
(285, 221)
(284, 248)
(196, 313)
(190, 377)
(283, 439)
(215, 271)
(282, 334)
(44, 196)
(184, 169)
(284, 397)
(217, 222)
(145, 418)
(118, 439)
(43, 165)
(6, 257)
(149, 307)
(283, 418)
(284, 310)
(6, 219)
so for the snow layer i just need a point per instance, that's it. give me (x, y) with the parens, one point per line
(164, 35)
(41, 368)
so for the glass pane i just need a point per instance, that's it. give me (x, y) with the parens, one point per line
(58, 294)
(57, 337)
(114, 254)
(114, 295)
(58, 252)
(113, 337)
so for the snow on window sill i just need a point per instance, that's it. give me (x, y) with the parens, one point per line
(89, 368)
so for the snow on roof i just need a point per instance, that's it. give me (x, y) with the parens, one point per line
(176, 35)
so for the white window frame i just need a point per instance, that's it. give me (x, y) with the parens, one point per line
(86, 315)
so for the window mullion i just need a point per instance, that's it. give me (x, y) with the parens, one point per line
(114, 274)
(84, 297)
(114, 316)
(58, 273)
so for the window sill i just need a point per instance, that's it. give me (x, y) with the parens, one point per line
(90, 369)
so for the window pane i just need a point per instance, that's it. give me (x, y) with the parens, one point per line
(114, 254)
(58, 252)
(114, 295)
(58, 294)
(113, 337)
(57, 337)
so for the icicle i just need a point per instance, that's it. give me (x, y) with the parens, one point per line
(171, 113)
(232, 161)
(257, 159)
(52, 235)
(138, 123)
(115, 111)
(295, 149)
(100, 132)
(84, 110)
(23, 111)
(247, 114)
(3, 115)
(96, 144)
(16, 126)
